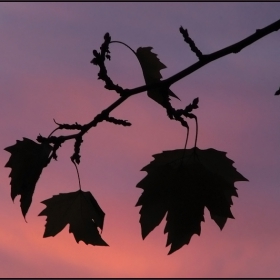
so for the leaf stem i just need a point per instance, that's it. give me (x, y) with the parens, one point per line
(185, 145)
(77, 174)
(196, 132)
(119, 42)
(53, 132)
(186, 139)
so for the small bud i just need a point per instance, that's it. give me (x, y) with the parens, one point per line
(107, 37)
(94, 61)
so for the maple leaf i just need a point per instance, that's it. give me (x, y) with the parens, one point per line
(182, 183)
(78, 209)
(151, 67)
(27, 161)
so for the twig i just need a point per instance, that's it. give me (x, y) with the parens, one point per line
(100, 58)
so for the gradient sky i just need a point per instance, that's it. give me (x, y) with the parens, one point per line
(45, 73)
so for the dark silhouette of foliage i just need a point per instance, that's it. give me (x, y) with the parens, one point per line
(27, 161)
(179, 183)
(182, 183)
(78, 209)
(151, 67)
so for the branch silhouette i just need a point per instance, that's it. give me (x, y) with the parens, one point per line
(179, 184)
(126, 93)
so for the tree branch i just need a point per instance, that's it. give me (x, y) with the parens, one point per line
(235, 48)
(104, 115)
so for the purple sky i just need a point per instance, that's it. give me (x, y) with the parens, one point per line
(45, 73)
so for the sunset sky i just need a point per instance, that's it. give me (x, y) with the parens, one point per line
(45, 74)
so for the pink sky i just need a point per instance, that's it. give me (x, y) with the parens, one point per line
(45, 73)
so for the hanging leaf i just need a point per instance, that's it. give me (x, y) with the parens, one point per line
(78, 209)
(151, 67)
(27, 161)
(181, 183)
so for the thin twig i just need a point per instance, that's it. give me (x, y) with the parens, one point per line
(235, 48)
(78, 174)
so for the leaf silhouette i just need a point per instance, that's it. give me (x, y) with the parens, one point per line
(27, 161)
(151, 67)
(181, 183)
(78, 209)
